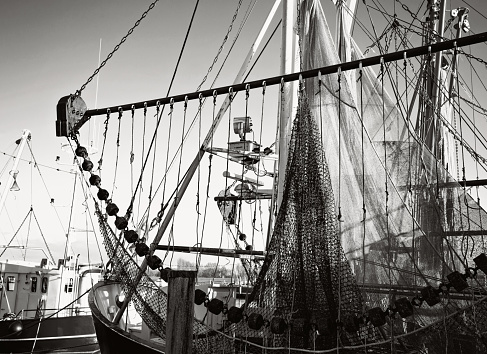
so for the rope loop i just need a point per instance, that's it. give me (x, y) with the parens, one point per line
(264, 85)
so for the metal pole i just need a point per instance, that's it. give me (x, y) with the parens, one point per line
(277, 80)
(11, 178)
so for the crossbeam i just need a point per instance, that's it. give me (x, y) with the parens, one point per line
(454, 184)
(223, 252)
(277, 80)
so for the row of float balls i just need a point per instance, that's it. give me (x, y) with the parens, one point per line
(301, 325)
(350, 322)
(121, 223)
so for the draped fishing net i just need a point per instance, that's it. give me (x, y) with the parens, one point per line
(413, 232)
(148, 298)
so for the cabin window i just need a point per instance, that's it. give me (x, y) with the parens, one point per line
(44, 285)
(10, 283)
(68, 288)
(33, 284)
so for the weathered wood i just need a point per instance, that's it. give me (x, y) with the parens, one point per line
(223, 252)
(180, 311)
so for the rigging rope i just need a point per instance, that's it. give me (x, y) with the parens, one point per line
(130, 208)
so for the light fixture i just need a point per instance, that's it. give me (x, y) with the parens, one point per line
(15, 187)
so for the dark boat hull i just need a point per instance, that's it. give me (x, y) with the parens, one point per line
(73, 334)
(111, 338)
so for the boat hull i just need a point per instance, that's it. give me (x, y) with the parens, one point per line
(111, 338)
(73, 334)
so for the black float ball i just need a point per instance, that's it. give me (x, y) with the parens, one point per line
(215, 306)
(81, 151)
(255, 321)
(278, 325)
(102, 194)
(131, 236)
(404, 307)
(87, 165)
(235, 314)
(121, 223)
(112, 209)
(154, 262)
(141, 249)
(199, 296)
(95, 180)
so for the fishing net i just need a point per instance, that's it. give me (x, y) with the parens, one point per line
(147, 297)
(368, 216)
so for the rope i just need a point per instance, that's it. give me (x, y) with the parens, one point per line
(129, 210)
(120, 113)
(42, 234)
(16, 232)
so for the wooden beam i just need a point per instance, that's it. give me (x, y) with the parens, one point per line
(213, 251)
(180, 311)
(454, 184)
(238, 197)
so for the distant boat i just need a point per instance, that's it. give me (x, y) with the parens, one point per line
(42, 307)
(375, 232)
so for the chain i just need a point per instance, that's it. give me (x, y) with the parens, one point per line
(116, 48)
(451, 129)
(470, 56)
(413, 15)
(221, 46)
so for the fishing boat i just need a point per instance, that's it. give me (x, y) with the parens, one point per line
(372, 227)
(42, 307)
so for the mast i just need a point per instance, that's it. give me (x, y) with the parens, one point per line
(13, 171)
(288, 92)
